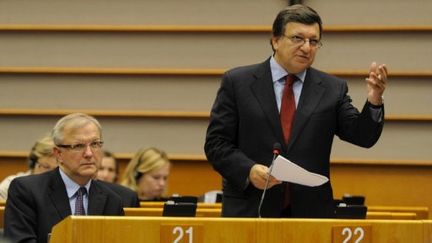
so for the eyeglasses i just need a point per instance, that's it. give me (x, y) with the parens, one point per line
(298, 40)
(81, 147)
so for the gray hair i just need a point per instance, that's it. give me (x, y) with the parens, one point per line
(74, 121)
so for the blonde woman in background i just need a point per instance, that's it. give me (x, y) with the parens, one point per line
(41, 159)
(108, 170)
(147, 174)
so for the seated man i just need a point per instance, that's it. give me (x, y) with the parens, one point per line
(37, 202)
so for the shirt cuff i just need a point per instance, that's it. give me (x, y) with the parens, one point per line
(376, 112)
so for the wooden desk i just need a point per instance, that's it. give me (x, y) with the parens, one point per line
(390, 215)
(421, 212)
(214, 210)
(237, 230)
(427, 230)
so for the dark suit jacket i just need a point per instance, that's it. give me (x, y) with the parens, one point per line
(245, 124)
(128, 196)
(37, 202)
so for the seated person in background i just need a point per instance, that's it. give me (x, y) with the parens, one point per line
(41, 159)
(108, 173)
(37, 202)
(108, 170)
(147, 174)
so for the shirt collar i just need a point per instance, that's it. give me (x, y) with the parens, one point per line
(71, 186)
(278, 72)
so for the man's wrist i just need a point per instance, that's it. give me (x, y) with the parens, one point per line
(377, 104)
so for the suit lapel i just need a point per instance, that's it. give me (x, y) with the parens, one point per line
(263, 90)
(310, 97)
(97, 199)
(58, 195)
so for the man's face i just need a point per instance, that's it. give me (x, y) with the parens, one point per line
(296, 57)
(80, 164)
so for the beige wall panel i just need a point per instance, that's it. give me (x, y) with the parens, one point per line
(399, 141)
(132, 93)
(20, 133)
(400, 51)
(371, 12)
(120, 135)
(174, 136)
(139, 12)
(388, 12)
(207, 50)
(133, 50)
(403, 96)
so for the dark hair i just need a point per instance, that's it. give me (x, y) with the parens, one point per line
(295, 13)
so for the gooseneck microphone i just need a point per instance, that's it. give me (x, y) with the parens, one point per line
(276, 152)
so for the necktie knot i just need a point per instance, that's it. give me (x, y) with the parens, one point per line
(289, 80)
(81, 191)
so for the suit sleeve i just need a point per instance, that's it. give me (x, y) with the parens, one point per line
(358, 128)
(20, 214)
(221, 146)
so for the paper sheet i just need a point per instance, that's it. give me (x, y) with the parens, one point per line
(285, 170)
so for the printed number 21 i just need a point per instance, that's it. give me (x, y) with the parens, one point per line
(179, 230)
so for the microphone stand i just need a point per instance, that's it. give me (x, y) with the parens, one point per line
(276, 149)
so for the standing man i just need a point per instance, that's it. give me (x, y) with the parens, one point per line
(37, 202)
(254, 109)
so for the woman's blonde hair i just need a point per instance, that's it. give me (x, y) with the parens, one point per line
(145, 160)
(42, 148)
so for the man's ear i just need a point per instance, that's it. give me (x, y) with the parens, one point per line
(58, 154)
(275, 42)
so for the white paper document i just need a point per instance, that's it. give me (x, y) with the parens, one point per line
(285, 170)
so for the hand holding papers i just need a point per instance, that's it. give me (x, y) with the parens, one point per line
(285, 170)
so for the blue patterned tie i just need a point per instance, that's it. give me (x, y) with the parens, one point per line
(79, 205)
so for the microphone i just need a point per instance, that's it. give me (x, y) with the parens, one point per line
(276, 152)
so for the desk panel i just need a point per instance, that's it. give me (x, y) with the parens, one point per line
(237, 230)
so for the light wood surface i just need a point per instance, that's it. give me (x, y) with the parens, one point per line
(238, 230)
(156, 210)
(421, 212)
(214, 210)
(390, 215)
(427, 230)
